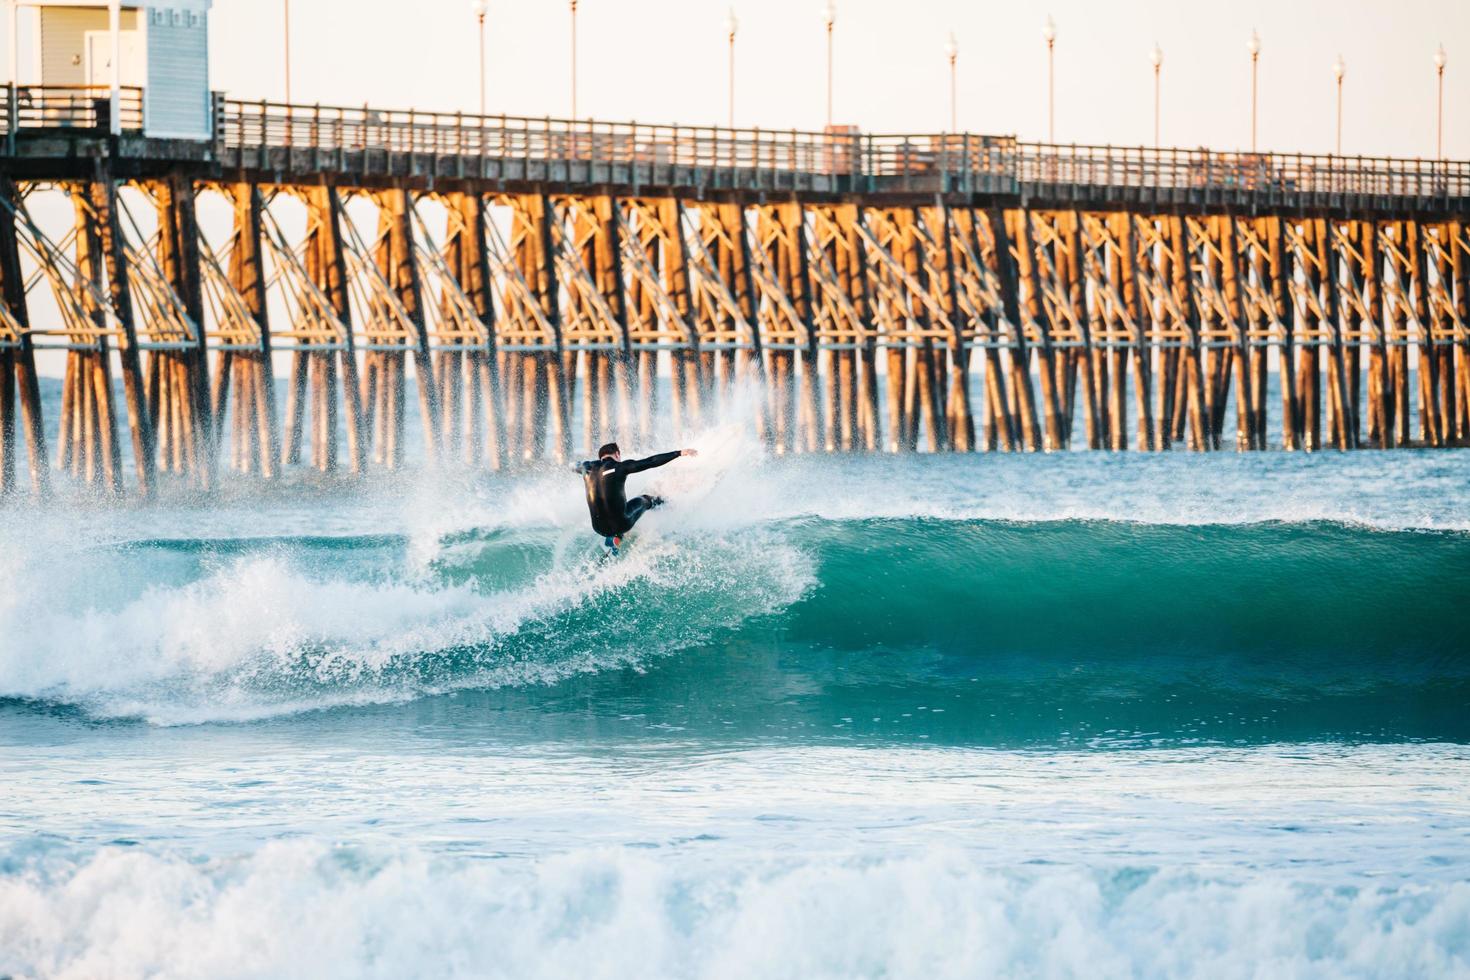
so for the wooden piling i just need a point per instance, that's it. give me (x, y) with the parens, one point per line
(255, 408)
(1185, 295)
(22, 358)
(1046, 367)
(1428, 364)
(1330, 259)
(102, 211)
(1142, 373)
(961, 415)
(1245, 408)
(1460, 271)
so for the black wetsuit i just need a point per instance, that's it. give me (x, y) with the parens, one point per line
(613, 514)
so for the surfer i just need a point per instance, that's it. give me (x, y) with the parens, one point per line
(613, 514)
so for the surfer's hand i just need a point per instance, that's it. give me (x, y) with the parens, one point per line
(689, 452)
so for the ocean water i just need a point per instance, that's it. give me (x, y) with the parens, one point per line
(1088, 714)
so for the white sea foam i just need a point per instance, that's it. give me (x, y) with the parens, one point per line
(268, 632)
(302, 909)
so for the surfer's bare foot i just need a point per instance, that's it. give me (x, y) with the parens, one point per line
(689, 452)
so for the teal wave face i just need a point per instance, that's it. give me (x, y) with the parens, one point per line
(1079, 630)
(976, 632)
(1265, 593)
(948, 631)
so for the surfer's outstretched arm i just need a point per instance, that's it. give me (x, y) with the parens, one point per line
(639, 465)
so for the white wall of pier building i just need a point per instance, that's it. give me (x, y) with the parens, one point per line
(164, 48)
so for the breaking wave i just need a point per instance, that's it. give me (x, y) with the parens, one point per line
(298, 909)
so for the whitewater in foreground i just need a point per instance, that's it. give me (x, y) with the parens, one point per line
(1080, 715)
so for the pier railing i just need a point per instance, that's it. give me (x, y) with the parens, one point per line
(849, 160)
(840, 159)
(1202, 169)
(39, 108)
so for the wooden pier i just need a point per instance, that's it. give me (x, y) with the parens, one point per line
(947, 292)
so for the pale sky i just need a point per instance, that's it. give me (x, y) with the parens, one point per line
(664, 61)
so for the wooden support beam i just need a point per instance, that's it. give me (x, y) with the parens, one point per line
(613, 287)
(179, 260)
(555, 387)
(1396, 286)
(1309, 367)
(1430, 430)
(330, 268)
(1001, 430)
(1442, 316)
(919, 397)
(869, 421)
(1132, 300)
(1329, 257)
(8, 447)
(22, 360)
(399, 266)
(1114, 365)
(99, 463)
(102, 194)
(1080, 362)
(1380, 387)
(476, 281)
(1185, 294)
(689, 379)
(1460, 271)
(1215, 362)
(1281, 269)
(1245, 408)
(961, 417)
(1033, 315)
(1159, 262)
(255, 404)
(798, 286)
(1262, 328)
(1345, 239)
(1006, 268)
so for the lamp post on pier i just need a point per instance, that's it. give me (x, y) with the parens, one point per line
(574, 60)
(114, 30)
(1049, 32)
(1254, 47)
(1156, 57)
(14, 44)
(1439, 63)
(732, 24)
(478, 8)
(1339, 69)
(286, 21)
(829, 17)
(952, 52)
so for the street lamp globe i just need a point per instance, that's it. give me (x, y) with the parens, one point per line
(951, 47)
(1339, 68)
(1156, 56)
(478, 7)
(829, 13)
(1049, 29)
(1439, 58)
(732, 24)
(1254, 44)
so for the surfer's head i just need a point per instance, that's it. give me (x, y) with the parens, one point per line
(611, 449)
